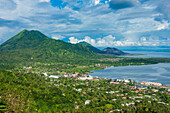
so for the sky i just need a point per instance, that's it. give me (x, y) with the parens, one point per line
(102, 23)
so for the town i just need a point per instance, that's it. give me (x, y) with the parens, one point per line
(122, 95)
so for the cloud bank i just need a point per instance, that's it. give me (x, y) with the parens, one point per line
(100, 22)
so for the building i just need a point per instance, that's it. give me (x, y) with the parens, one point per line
(126, 80)
(114, 82)
(45, 74)
(87, 102)
(86, 78)
(53, 76)
(77, 107)
(151, 83)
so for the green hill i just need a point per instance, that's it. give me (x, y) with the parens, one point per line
(35, 46)
(90, 47)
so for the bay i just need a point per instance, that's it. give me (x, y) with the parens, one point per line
(151, 73)
(149, 54)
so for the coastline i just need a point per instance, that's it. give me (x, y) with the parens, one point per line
(163, 85)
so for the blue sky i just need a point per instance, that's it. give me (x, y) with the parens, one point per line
(100, 22)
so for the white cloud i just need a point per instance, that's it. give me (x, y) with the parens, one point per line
(73, 40)
(143, 39)
(89, 40)
(109, 41)
(99, 42)
(163, 25)
(97, 2)
(86, 19)
(57, 37)
(44, 0)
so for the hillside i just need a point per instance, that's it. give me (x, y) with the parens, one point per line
(92, 48)
(35, 46)
(32, 93)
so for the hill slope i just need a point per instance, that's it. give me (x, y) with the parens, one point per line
(92, 48)
(35, 46)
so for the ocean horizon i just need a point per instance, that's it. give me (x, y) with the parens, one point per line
(151, 73)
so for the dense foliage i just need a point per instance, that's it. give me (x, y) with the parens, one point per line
(28, 93)
(32, 93)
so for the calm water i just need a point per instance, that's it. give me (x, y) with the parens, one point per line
(149, 54)
(149, 51)
(151, 73)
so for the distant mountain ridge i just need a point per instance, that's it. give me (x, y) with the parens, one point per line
(106, 51)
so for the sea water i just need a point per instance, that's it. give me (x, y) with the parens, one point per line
(151, 73)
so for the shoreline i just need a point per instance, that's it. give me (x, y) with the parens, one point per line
(163, 85)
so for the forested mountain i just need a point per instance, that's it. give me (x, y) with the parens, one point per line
(92, 48)
(35, 46)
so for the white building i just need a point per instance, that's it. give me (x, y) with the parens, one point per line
(86, 78)
(151, 83)
(45, 74)
(87, 102)
(126, 80)
(53, 76)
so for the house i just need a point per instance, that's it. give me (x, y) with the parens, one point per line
(65, 75)
(139, 106)
(53, 76)
(126, 80)
(114, 82)
(138, 101)
(151, 83)
(147, 96)
(86, 78)
(87, 102)
(168, 93)
(27, 67)
(117, 80)
(155, 90)
(83, 92)
(123, 97)
(116, 110)
(96, 79)
(74, 75)
(77, 107)
(135, 91)
(45, 74)
(114, 99)
(149, 102)
(132, 103)
(79, 89)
